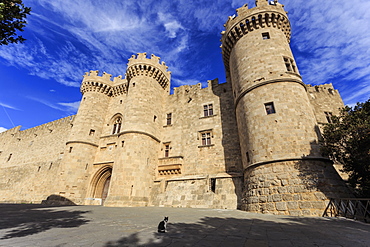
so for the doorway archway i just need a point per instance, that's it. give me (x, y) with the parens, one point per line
(100, 183)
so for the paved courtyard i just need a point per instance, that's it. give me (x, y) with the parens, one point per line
(38, 225)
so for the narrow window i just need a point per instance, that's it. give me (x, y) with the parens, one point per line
(166, 150)
(212, 184)
(270, 109)
(120, 101)
(154, 118)
(328, 116)
(289, 64)
(169, 119)
(206, 138)
(10, 156)
(70, 149)
(117, 125)
(208, 110)
(92, 132)
(265, 36)
(122, 143)
(247, 155)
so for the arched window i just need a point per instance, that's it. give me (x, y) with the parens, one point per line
(117, 125)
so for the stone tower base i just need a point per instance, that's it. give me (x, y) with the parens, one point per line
(299, 188)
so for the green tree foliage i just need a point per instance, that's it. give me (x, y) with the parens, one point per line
(12, 19)
(347, 141)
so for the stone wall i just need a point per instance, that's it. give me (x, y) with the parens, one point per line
(324, 100)
(30, 161)
(292, 188)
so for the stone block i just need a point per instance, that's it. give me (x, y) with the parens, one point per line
(276, 197)
(281, 206)
(295, 212)
(270, 206)
(287, 197)
(305, 205)
(292, 205)
(308, 197)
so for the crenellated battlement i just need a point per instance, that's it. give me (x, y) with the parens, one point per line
(324, 88)
(92, 82)
(41, 129)
(193, 89)
(140, 65)
(248, 20)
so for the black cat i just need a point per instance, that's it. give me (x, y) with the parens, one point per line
(162, 226)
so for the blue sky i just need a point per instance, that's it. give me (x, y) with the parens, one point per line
(65, 38)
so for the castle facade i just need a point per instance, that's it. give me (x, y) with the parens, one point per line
(251, 143)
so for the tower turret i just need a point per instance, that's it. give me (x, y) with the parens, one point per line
(277, 127)
(142, 122)
(85, 134)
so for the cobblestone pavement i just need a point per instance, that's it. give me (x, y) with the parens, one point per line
(38, 225)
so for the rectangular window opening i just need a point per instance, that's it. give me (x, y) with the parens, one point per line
(290, 65)
(92, 132)
(70, 149)
(166, 150)
(270, 109)
(328, 116)
(208, 110)
(169, 119)
(206, 138)
(265, 35)
(212, 185)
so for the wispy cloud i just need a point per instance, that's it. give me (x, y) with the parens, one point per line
(68, 38)
(2, 129)
(68, 108)
(332, 42)
(71, 107)
(8, 106)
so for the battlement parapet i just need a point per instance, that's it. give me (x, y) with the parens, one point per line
(11, 131)
(35, 131)
(324, 88)
(248, 20)
(140, 65)
(191, 89)
(92, 82)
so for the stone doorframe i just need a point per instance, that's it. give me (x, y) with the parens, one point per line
(97, 185)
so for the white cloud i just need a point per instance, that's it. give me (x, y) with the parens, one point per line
(331, 39)
(72, 107)
(171, 25)
(69, 108)
(2, 129)
(8, 106)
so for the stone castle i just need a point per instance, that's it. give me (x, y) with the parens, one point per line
(251, 143)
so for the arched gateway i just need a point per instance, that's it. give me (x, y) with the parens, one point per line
(100, 184)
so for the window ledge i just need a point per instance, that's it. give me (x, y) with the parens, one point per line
(203, 146)
(168, 125)
(208, 116)
(171, 157)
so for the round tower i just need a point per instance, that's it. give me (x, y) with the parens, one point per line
(142, 122)
(85, 133)
(283, 168)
